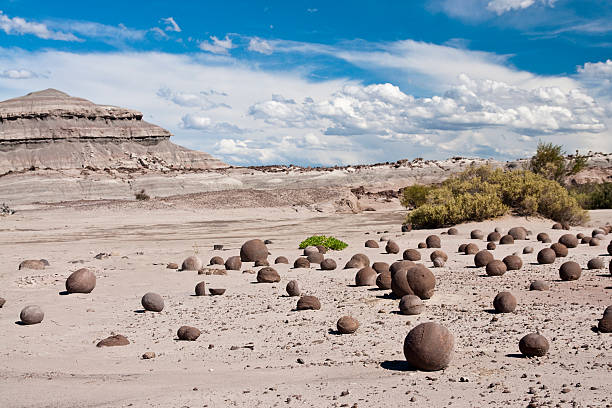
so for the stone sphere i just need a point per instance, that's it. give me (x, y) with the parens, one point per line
(594, 241)
(476, 234)
(561, 250)
(31, 315)
(518, 233)
(506, 240)
(383, 280)
(513, 262)
(328, 264)
(569, 240)
(580, 235)
(438, 262)
(268, 275)
(81, 281)
(596, 232)
(452, 231)
(233, 263)
(411, 305)
(421, 281)
(433, 241)
(253, 250)
(429, 347)
(315, 258)
(570, 271)
(586, 240)
(596, 263)
(152, 302)
(546, 256)
(370, 243)
(504, 302)
(365, 277)
(411, 255)
(438, 254)
(216, 291)
(421, 245)
(482, 258)
(301, 263)
(539, 285)
(293, 289)
(528, 250)
(491, 246)
(358, 261)
(496, 268)
(262, 262)
(322, 249)
(401, 266)
(542, 236)
(200, 289)
(188, 333)
(347, 325)
(380, 267)
(471, 249)
(311, 250)
(461, 248)
(534, 345)
(216, 260)
(308, 303)
(192, 263)
(494, 236)
(557, 226)
(281, 260)
(605, 323)
(392, 247)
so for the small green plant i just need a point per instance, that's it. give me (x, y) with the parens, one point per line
(593, 196)
(142, 195)
(550, 162)
(415, 196)
(327, 242)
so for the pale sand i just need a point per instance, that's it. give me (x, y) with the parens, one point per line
(56, 363)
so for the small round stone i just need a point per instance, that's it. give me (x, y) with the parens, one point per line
(216, 260)
(561, 250)
(392, 247)
(411, 255)
(586, 240)
(268, 275)
(311, 250)
(81, 281)
(253, 250)
(281, 260)
(506, 240)
(328, 264)
(358, 261)
(539, 285)
(200, 289)
(308, 303)
(570, 271)
(293, 288)
(546, 256)
(438, 262)
(513, 262)
(347, 325)
(233, 263)
(383, 280)
(534, 345)
(496, 268)
(370, 243)
(504, 302)
(452, 231)
(569, 240)
(482, 258)
(411, 305)
(595, 241)
(422, 245)
(518, 233)
(596, 263)
(262, 262)
(491, 246)
(528, 250)
(152, 302)
(542, 236)
(301, 263)
(380, 267)
(494, 236)
(32, 314)
(315, 258)
(365, 277)
(172, 265)
(192, 263)
(438, 254)
(605, 323)
(461, 248)
(188, 333)
(433, 241)
(476, 234)
(471, 249)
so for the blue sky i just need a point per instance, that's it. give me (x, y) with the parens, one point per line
(315, 83)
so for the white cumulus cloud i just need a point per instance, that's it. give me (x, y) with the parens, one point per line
(17, 74)
(20, 26)
(260, 46)
(217, 46)
(503, 6)
(171, 25)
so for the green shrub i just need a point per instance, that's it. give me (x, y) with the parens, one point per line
(327, 242)
(550, 162)
(481, 193)
(415, 196)
(593, 196)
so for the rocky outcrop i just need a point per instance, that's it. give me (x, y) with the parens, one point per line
(52, 130)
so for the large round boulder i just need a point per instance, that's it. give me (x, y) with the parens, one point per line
(308, 303)
(496, 268)
(253, 250)
(491, 246)
(268, 275)
(358, 261)
(482, 258)
(81, 281)
(542, 236)
(421, 281)
(539, 285)
(513, 262)
(328, 264)
(534, 345)
(546, 256)
(596, 263)
(400, 266)
(411, 305)
(494, 236)
(365, 277)
(411, 255)
(233, 263)
(569, 240)
(476, 234)
(301, 263)
(471, 249)
(429, 347)
(452, 231)
(433, 241)
(561, 250)
(518, 233)
(347, 325)
(370, 243)
(200, 289)
(216, 260)
(438, 254)
(570, 271)
(504, 302)
(315, 258)
(281, 260)
(192, 263)
(605, 323)
(152, 302)
(392, 247)
(188, 333)
(383, 280)
(31, 314)
(380, 267)
(506, 240)
(293, 288)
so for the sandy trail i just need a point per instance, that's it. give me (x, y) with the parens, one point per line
(56, 363)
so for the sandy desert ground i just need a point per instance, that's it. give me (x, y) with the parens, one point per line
(255, 350)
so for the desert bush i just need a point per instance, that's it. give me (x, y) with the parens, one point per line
(415, 196)
(593, 196)
(327, 242)
(142, 195)
(481, 193)
(550, 162)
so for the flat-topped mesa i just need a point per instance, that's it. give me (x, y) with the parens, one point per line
(55, 131)
(51, 115)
